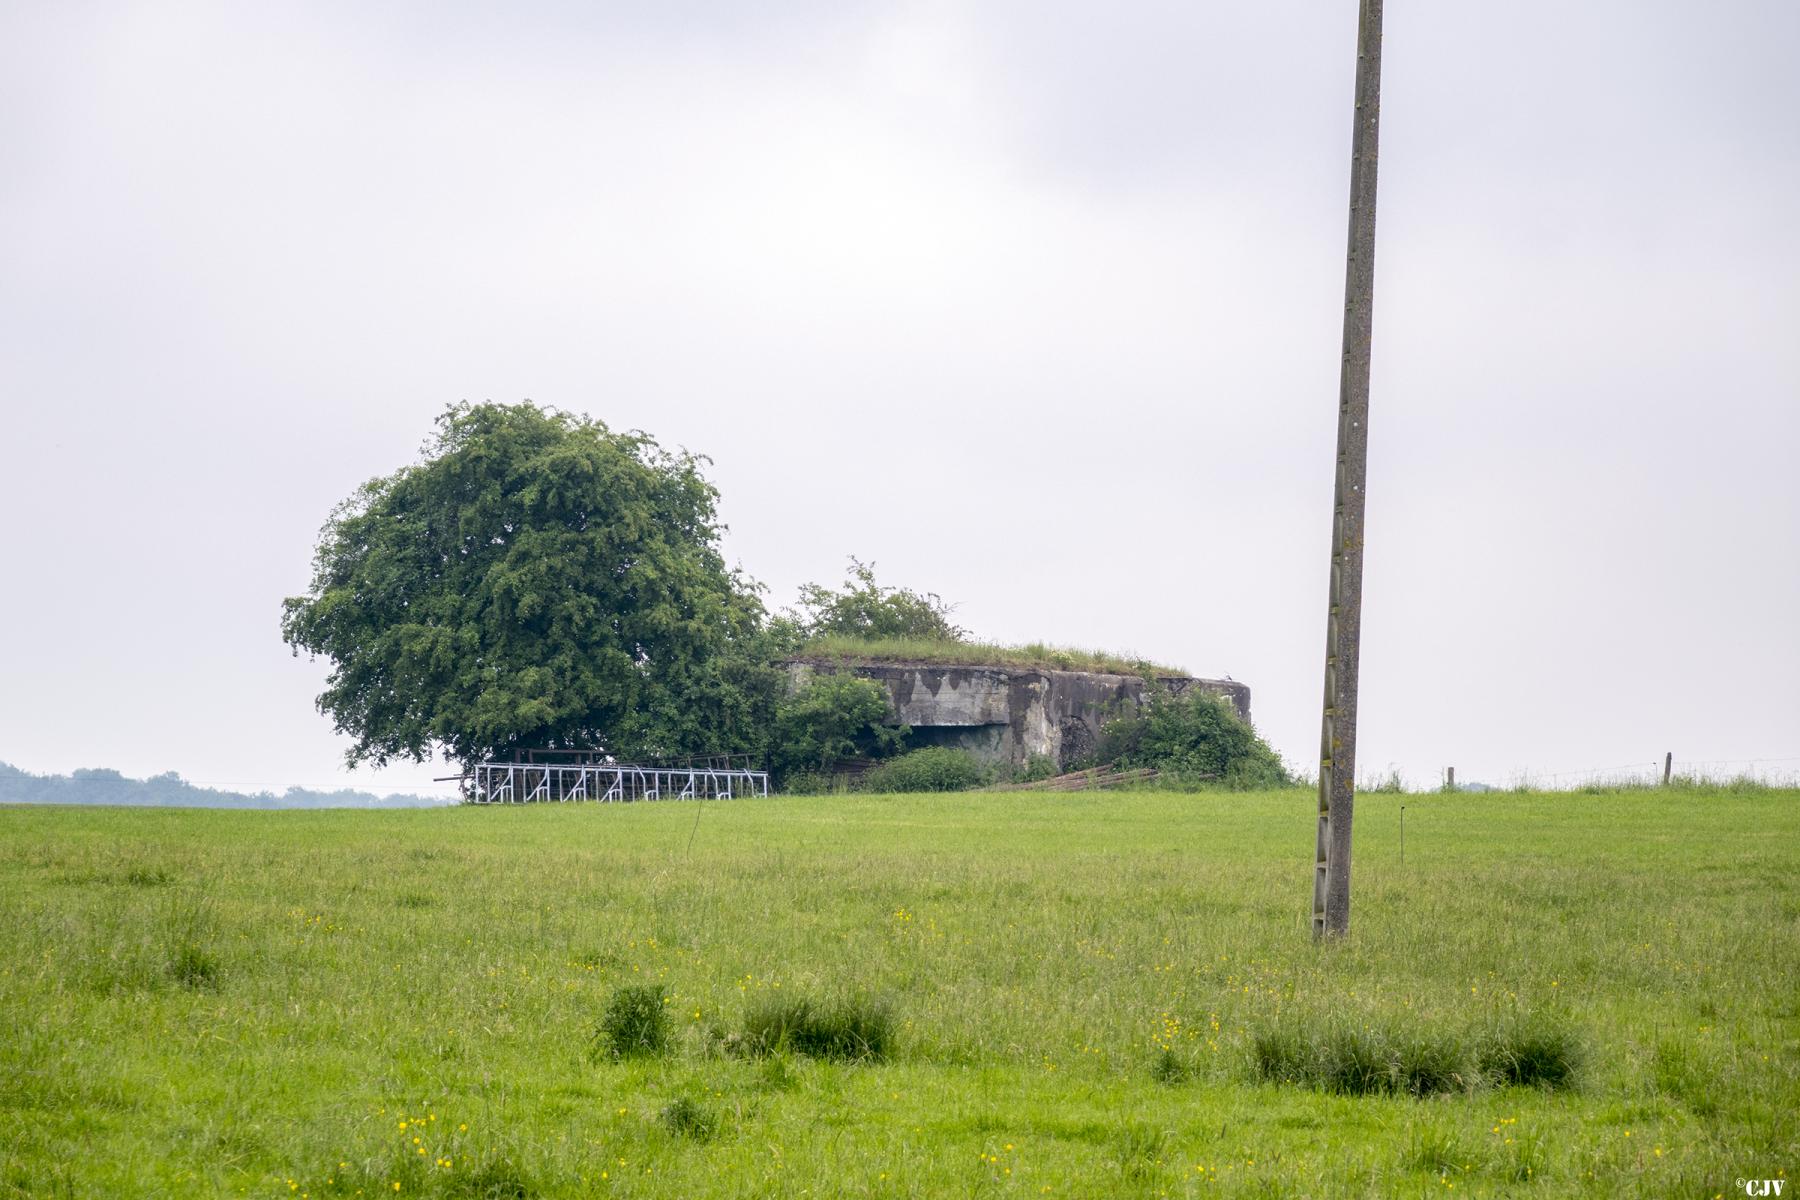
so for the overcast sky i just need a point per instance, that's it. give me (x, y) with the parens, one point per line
(1036, 305)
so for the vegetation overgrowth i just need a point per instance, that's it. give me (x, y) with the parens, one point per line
(930, 769)
(830, 717)
(1197, 736)
(1032, 656)
(1074, 995)
(863, 609)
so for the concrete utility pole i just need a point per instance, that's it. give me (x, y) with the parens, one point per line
(1343, 630)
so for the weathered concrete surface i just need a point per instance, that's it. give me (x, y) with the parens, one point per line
(1007, 715)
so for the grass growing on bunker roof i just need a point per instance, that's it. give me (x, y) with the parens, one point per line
(1036, 656)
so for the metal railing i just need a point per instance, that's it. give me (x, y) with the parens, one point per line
(564, 783)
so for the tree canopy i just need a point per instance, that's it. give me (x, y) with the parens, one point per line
(535, 581)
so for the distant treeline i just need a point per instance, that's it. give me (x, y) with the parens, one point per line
(169, 790)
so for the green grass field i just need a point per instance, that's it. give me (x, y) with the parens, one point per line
(403, 1003)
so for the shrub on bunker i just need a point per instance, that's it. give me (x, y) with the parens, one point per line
(1198, 735)
(933, 769)
(833, 716)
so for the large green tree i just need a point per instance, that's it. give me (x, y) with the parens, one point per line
(536, 581)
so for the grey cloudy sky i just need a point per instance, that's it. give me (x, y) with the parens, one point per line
(1034, 304)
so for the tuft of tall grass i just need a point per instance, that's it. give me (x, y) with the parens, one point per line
(777, 1075)
(188, 930)
(1358, 1060)
(1528, 1157)
(493, 1176)
(1437, 1150)
(495, 1179)
(852, 1029)
(1140, 1149)
(149, 877)
(193, 966)
(1283, 1054)
(686, 1119)
(1679, 1073)
(1430, 1065)
(635, 1024)
(1170, 1068)
(1530, 1051)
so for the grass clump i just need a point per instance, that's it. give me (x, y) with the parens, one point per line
(933, 769)
(404, 1172)
(1394, 1059)
(189, 929)
(777, 1075)
(1353, 1060)
(1283, 1055)
(1678, 1073)
(1169, 1068)
(1531, 1052)
(1528, 1157)
(636, 1023)
(493, 1180)
(1431, 1066)
(686, 1119)
(1358, 1062)
(195, 967)
(813, 783)
(1438, 1151)
(852, 1030)
(149, 877)
(1140, 1150)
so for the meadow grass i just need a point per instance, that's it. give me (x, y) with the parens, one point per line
(1075, 995)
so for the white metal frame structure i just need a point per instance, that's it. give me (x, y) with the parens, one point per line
(563, 783)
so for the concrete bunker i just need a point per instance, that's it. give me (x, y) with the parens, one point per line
(1004, 715)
